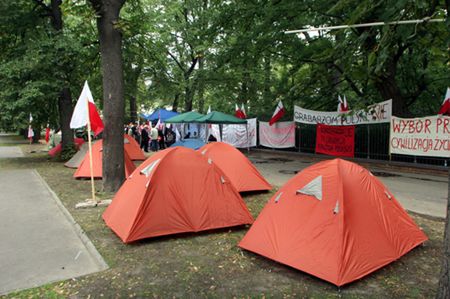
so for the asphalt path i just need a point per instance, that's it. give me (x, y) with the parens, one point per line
(40, 241)
(420, 192)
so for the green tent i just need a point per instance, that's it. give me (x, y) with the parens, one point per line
(220, 118)
(187, 117)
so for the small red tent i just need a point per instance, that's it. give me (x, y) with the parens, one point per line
(58, 148)
(333, 220)
(133, 149)
(174, 191)
(83, 170)
(243, 175)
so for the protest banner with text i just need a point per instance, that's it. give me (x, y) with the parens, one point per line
(425, 136)
(335, 140)
(377, 113)
(279, 135)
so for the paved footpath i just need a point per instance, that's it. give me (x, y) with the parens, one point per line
(10, 152)
(421, 193)
(40, 242)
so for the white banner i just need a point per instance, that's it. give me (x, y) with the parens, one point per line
(279, 135)
(377, 113)
(236, 135)
(426, 136)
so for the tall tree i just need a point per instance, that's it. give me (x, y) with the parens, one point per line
(444, 280)
(65, 108)
(110, 38)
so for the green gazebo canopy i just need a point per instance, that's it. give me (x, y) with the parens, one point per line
(187, 117)
(216, 117)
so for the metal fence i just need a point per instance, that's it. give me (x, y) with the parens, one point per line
(371, 142)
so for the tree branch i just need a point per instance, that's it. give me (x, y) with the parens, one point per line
(352, 84)
(191, 69)
(41, 3)
(176, 61)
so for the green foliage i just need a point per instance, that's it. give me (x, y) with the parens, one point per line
(36, 63)
(68, 152)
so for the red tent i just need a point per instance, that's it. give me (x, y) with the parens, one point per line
(243, 175)
(83, 170)
(174, 191)
(133, 149)
(333, 220)
(58, 148)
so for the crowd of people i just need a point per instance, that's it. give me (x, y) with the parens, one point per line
(155, 137)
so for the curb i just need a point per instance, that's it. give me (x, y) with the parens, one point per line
(76, 227)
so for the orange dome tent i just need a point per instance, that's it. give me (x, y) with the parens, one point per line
(83, 170)
(174, 191)
(243, 175)
(333, 220)
(133, 149)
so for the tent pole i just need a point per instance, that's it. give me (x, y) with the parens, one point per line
(246, 130)
(368, 141)
(90, 154)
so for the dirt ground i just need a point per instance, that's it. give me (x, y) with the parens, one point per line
(210, 264)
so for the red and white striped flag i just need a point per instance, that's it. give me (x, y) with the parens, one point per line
(30, 132)
(47, 133)
(85, 108)
(279, 112)
(243, 110)
(238, 113)
(445, 107)
(342, 106)
(30, 129)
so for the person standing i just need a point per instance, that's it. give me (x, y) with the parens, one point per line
(170, 137)
(154, 136)
(135, 133)
(161, 142)
(144, 139)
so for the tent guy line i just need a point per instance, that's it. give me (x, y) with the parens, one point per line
(424, 20)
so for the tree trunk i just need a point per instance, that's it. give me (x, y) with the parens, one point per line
(267, 94)
(65, 114)
(189, 95)
(444, 281)
(175, 102)
(56, 15)
(201, 86)
(133, 109)
(131, 81)
(65, 107)
(113, 92)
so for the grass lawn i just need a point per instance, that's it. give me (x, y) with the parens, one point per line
(210, 264)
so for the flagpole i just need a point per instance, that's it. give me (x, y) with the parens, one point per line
(30, 128)
(424, 20)
(90, 153)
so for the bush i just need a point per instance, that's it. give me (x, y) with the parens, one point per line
(68, 152)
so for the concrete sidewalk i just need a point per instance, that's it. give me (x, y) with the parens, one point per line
(10, 152)
(421, 193)
(40, 241)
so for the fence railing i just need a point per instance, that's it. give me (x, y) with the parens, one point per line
(371, 142)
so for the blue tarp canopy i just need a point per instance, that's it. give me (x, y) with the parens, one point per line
(160, 113)
(190, 143)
